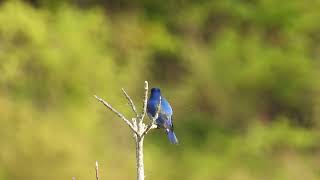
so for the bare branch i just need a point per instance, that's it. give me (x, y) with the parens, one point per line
(153, 124)
(130, 102)
(137, 126)
(145, 100)
(149, 128)
(97, 170)
(117, 113)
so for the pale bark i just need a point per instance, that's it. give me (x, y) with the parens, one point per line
(137, 126)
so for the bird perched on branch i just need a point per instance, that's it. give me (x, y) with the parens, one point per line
(164, 119)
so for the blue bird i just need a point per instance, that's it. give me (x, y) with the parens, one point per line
(164, 119)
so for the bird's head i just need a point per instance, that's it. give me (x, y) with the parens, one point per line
(155, 92)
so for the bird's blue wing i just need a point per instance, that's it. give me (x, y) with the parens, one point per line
(165, 107)
(164, 119)
(165, 114)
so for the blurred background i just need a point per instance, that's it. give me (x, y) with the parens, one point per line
(241, 75)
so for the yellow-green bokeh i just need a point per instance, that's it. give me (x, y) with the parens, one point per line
(242, 77)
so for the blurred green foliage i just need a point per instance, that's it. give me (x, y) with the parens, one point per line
(242, 77)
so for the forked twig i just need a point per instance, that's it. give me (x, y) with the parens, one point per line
(145, 101)
(137, 126)
(133, 107)
(117, 113)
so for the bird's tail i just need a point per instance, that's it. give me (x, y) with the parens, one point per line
(172, 137)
